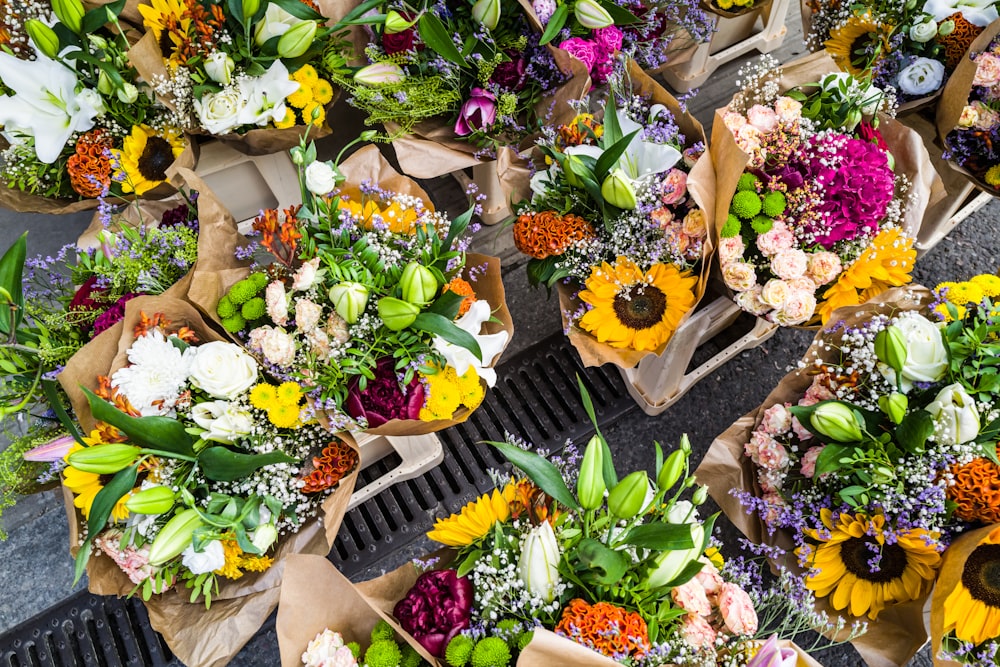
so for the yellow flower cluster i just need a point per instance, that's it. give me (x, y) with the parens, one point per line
(281, 403)
(311, 98)
(960, 294)
(729, 4)
(239, 563)
(447, 391)
(992, 176)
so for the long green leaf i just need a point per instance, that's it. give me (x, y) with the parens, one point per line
(620, 15)
(97, 17)
(457, 227)
(221, 464)
(55, 403)
(555, 24)
(441, 326)
(600, 565)
(160, 433)
(355, 14)
(609, 158)
(539, 470)
(612, 130)
(608, 465)
(447, 304)
(661, 536)
(11, 269)
(299, 10)
(436, 36)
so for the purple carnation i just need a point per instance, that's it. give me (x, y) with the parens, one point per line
(114, 314)
(383, 399)
(436, 609)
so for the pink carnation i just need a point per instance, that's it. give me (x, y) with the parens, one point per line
(583, 50)
(673, 187)
(277, 303)
(818, 391)
(824, 266)
(730, 249)
(306, 275)
(797, 309)
(697, 632)
(691, 597)
(776, 239)
(709, 578)
(737, 610)
(801, 432)
(987, 70)
(776, 420)
(739, 276)
(808, 463)
(771, 454)
(789, 263)
(609, 39)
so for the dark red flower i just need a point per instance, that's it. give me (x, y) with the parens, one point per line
(511, 74)
(869, 133)
(436, 609)
(113, 315)
(383, 399)
(398, 42)
(84, 300)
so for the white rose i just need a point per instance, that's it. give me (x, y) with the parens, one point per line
(956, 419)
(276, 22)
(739, 276)
(321, 178)
(923, 77)
(219, 67)
(222, 421)
(926, 355)
(278, 347)
(774, 293)
(93, 98)
(222, 370)
(211, 558)
(924, 31)
(219, 112)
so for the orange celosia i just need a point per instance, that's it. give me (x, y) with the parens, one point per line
(547, 233)
(958, 41)
(89, 168)
(337, 459)
(460, 285)
(976, 490)
(605, 628)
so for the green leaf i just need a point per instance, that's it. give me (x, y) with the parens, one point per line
(620, 15)
(100, 511)
(97, 17)
(555, 24)
(469, 562)
(437, 37)
(447, 329)
(356, 15)
(609, 158)
(689, 572)
(49, 387)
(913, 432)
(11, 267)
(661, 536)
(608, 470)
(221, 464)
(599, 564)
(829, 459)
(447, 304)
(539, 470)
(299, 10)
(540, 270)
(160, 433)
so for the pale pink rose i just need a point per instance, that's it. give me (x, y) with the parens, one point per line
(776, 420)
(673, 187)
(319, 344)
(808, 463)
(788, 110)
(277, 303)
(748, 139)
(737, 610)
(739, 276)
(802, 283)
(824, 266)
(306, 275)
(798, 307)
(801, 432)
(776, 239)
(709, 578)
(691, 597)
(734, 121)
(731, 248)
(337, 329)
(694, 224)
(969, 117)
(771, 454)
(987, 70)
(790, 263)
(818, 391)
(307, 314)
(987, 118)
(763, 118)
(697, 632)
(775, 292)
(663, 217)
(751, 302)
(278, 348)
(758, 439)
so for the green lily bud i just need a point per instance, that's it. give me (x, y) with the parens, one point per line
(104, 85)
(487, 13)
(590, 486)
(397, 314)
(368, 135)
(617, 190)
(297, 39)
(43, 37)
(128, 93)
(853, 118)
(379, 74)
(394, 22)
(837, 421)
(418, 284)
(70, 13)
(104, 459)
(945, 28)
(671, 470)
(890, 348)
(685, 444)
(154, 500)
(700, 495)
(175, 537)
(349, 300)
(894, 405)
(629, 495)
(98, 42)
(250, 8)
(591, 15)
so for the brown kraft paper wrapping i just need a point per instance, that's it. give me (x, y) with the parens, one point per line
(898, 633)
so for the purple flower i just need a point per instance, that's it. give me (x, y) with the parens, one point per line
(478, 112)
(383, 399)
(511, 74)
(436, 609)
(772, 655)
(583, 50)
(114, 314)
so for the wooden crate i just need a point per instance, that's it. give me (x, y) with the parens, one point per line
(418, 453)
(660, 381)
(762, 30)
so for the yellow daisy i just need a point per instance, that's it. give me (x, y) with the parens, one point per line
(476, 519)
(314, 113)
(887, 262)
(301, 97)
(283, 415)
(263, 396)
(322, 91)
(288, 121)
(144, 157)
(289, 393)
(972, 610)
(989, 283)
(306, 75)
(233, 553)
(636, 309)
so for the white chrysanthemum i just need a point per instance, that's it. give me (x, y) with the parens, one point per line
(156, 375)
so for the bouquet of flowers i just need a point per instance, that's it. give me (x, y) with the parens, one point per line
(77, 122)
(819, 199)
(196, 471)
(968, 120)
(872, 455)
(371, 302)
(911, 47)
(620, 220)
(247, 72)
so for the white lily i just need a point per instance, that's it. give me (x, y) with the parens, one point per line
(543, 180)
(976, 12)
(490, 345)
(46, 104)
(266, 95)
(642, 158)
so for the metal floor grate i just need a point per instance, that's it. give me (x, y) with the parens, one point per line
(536, 399)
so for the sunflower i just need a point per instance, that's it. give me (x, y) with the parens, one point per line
(86, 485)
(145, 156)
(166, 18)
(972, 609)
(636, 310)
(842, 563)
(848, 43)
(476, 519)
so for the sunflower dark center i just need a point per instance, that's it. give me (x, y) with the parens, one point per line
(858, 552)
(640, 306)
(157, 156)
(860, 48)
(982, 574)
